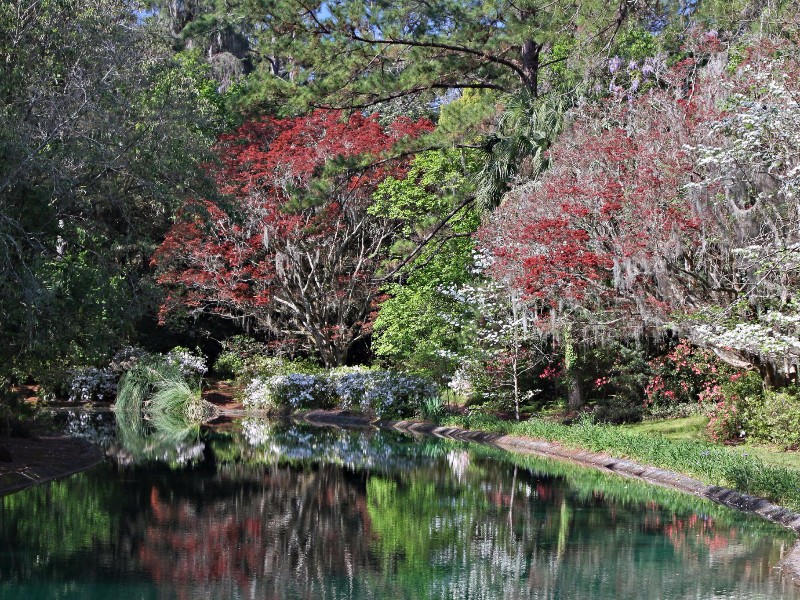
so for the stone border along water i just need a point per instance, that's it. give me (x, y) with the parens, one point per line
(790, 564)
(65, 456)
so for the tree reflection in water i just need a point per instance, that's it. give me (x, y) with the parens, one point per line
(283, 511)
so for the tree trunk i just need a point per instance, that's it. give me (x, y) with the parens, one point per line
(530, 66)
(574, 391)
(515, 375)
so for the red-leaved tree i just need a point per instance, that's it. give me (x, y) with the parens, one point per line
(292, 248)
(604, 232)
(673, 206)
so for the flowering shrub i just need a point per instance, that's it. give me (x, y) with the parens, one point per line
(384, 393)
(294, 391)
(300, 390)
(686, 374)
(125, 359)
(613, 376)
(190, 365)
(349, 386)
(258, 395)
(92, 384)
(726, 424)
(396, 394)
(747, 409)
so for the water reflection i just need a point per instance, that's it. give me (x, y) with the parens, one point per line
(269, 510)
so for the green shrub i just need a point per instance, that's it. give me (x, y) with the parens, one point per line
(14, 411)
(775, 419)
(771, 416)
(614, 377)
(229, 365)
(245, 358)
(236, 359)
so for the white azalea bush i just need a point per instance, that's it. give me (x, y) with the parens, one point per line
(383, 393)
(391, 394)
(192, 365)
(292, 392)
(349, 386)
(301, 390)
(378, 392)
(90, 384)
(258, 396)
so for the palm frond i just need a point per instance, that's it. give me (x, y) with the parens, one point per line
(523, 133)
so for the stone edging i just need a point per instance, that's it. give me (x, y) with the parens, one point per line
(88, 456)
(628, 468)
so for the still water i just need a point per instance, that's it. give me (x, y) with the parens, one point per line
(267, 510)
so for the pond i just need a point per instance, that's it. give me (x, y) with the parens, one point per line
(259, 509)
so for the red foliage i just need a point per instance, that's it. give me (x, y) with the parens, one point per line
(613, 214)
(663, 208)
(292, 247)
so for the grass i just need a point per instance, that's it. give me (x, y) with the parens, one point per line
(693, 428)
(732, 467)
(774, 455)
(159, 391)
(687, 428)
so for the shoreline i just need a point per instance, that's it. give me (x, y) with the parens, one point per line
(789, 564)
(604, 462)
(48, 458)
(45, 458)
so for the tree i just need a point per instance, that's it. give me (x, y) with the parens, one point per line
(388, 50)
(100, 133)
(416, 327)
(210, 30)
(664, 210)
(294, 250)
(502, 341)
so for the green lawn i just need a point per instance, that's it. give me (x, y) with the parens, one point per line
(693, 428)
(687, 428)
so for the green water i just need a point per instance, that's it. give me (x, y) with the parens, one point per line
(265, 510)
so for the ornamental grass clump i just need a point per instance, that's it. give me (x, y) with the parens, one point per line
(158, 388)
